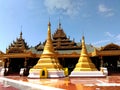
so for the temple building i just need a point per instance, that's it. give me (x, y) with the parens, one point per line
(19, 55)
(108, 56)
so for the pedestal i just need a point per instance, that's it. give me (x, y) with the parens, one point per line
(87, 74)
(35, 73)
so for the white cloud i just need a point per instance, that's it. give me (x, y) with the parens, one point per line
(109, 34)
(64, 7)
(86, 15)
(104, 10)
(111, 38)
(117, 39)
(110, 14)
(100, 42)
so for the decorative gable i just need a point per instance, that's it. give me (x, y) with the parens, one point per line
(18, 46)
(110, 46)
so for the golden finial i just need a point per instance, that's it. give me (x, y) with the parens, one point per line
(59, 27)
(84, 50)
(49, 24)
(83, 38)
(48, 48)
(49, 30)
(21, 33)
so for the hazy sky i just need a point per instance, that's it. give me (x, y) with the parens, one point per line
(97, 20)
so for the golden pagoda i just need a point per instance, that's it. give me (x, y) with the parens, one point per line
(84, 62)
(85, 67)
(48, 64)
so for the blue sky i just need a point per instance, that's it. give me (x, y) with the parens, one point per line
(97, 20)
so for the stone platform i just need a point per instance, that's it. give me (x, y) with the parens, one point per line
(87, 74)
(51, 74)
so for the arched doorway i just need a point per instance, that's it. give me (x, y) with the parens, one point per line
(70, 63)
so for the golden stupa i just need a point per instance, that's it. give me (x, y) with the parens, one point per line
(85, 67)
(48, 64)
(84, 62)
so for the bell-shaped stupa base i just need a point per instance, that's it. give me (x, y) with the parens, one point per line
(47, 67)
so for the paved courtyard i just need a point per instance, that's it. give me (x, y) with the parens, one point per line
(107, 83)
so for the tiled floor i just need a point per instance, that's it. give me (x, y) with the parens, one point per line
(107, 83)
(2, 87)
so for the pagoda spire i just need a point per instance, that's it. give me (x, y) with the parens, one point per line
(59, 25)
(84, 62)
(49, 30)
(84, 50)
(21, 33)
(48, 47)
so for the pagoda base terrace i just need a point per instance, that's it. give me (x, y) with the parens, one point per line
(36, 73)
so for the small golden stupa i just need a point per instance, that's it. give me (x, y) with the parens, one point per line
(85, 67)
(48, 64)
(84, 62)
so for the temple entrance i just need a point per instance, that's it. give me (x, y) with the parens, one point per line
(96, 62)
(70, 63)
(15, 65)
(112, 63)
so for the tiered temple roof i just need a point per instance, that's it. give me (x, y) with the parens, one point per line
(18, 46)
(110, 46)
(61, 41)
